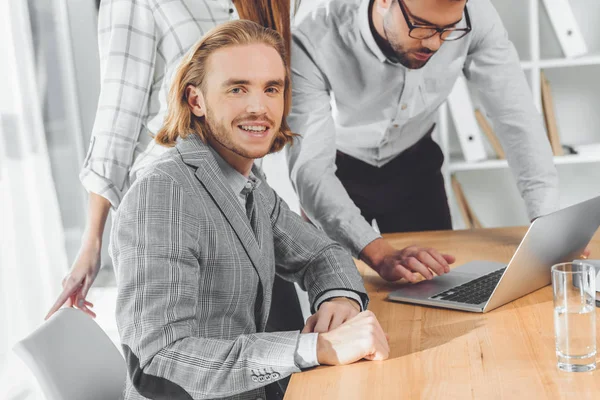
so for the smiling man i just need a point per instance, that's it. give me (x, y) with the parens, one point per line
(368, 79)
(200, 236)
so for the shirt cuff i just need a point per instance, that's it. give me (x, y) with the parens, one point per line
(94, 183)
(358, 235)
(330, 294)
(306, 353)
(541, 202)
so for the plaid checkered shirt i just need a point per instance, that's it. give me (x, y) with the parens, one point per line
(141, 43)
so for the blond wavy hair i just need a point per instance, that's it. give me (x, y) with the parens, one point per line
(180, 121)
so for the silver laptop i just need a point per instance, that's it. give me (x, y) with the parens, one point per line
(481, 286)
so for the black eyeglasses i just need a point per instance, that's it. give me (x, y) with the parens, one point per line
(418, 31)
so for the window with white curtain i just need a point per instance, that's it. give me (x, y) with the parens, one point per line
(48, 95)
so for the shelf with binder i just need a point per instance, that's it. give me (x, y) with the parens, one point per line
(493, 196)
(568, 98)
(466, 118)
(564, 97)
(574, 94)
(575, 21)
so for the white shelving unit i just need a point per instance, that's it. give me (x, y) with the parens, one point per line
(460, 165)
(489, 186)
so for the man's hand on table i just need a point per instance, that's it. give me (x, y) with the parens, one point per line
(331, 314)
(359, 337)
(392, 264)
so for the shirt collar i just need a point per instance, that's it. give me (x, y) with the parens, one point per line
(364, 14)
(236, 181)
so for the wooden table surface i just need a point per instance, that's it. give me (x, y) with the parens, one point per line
(507, 353)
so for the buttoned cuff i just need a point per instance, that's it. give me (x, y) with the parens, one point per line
(306, 353)
(330, 294)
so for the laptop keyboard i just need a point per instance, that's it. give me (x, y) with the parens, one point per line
(476, 291)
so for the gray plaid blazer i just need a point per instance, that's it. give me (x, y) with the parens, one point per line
(195, 281)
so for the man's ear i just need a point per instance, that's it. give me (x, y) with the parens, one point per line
(195, 100)
(383, 6)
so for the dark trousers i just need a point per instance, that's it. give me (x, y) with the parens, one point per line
(405, 195)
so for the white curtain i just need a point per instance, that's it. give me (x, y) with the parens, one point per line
(32, 251)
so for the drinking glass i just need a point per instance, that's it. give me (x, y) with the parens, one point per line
(574, 289)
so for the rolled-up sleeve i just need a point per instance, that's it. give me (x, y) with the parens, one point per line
(127, 43)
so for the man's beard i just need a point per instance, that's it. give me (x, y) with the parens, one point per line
(403, 56)
(220, 133)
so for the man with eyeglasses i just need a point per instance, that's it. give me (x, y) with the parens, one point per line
(368, 79)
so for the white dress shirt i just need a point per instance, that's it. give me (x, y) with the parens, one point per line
(348, 96)
(141, 44)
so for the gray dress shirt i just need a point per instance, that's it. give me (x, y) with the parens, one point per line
(348, 96)
(306, 354)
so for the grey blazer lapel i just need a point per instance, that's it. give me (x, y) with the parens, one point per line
(264, 234)
(195, 153)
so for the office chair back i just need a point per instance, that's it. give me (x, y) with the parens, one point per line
(72, 358)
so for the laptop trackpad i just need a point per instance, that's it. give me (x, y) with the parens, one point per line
(426, 289)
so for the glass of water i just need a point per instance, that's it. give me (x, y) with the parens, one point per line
(575, 316)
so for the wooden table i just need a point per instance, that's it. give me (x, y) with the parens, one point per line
(507, 353)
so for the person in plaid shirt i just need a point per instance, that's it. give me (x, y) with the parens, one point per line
(141, 43)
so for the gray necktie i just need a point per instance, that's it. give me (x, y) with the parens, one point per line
(251, 209)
